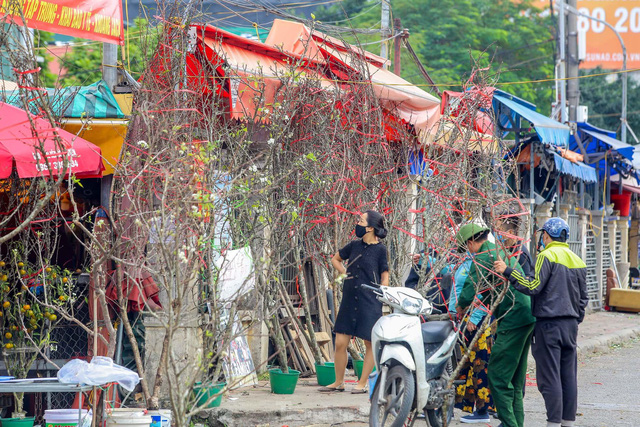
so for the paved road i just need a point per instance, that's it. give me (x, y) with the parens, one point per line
(608, 387)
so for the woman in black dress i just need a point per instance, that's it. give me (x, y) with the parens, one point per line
(359, 309)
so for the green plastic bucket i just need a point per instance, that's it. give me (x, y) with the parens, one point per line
(282, 383)
(204, 393)
(357, 367)
(326, 373)
(17, 422)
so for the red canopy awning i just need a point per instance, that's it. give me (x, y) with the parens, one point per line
(31, 147)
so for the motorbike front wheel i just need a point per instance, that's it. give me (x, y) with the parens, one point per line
(398, 394)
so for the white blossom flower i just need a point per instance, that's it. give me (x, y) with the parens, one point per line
(143, 144)
(271, 141)
(253, 168)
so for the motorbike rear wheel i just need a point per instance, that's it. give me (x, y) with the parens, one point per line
(435, 415)
(398, 393)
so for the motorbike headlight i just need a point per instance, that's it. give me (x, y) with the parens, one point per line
(411, 305)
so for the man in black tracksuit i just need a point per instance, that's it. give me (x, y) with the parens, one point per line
(559, 297)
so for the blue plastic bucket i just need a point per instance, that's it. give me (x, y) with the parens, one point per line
(373, 378)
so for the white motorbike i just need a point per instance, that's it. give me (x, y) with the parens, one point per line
(414, 361)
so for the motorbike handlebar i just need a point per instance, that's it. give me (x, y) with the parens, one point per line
(435, 311)
(373, 288)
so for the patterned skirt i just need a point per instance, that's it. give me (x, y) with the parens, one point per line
(474, 394)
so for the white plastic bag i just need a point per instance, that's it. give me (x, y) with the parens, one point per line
(100, 371)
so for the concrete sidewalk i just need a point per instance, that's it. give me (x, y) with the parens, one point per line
(256, 406)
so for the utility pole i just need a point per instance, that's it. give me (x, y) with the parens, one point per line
(397, 43)
(384, 27)
(110, 76)
(623, 114)
(573, 84)
(109, 64)
(562, 63)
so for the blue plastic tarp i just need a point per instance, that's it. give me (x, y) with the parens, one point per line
(600, 141)
(623, 148)
(549, 130)
(579, 170)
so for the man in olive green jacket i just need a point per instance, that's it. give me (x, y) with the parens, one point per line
(508, 360)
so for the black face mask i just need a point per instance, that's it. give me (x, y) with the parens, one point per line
(360, 231)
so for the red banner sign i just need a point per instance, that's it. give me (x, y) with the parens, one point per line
(89, 19)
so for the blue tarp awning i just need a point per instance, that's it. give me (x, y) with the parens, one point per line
(623, 148)
(596, 140)
(549, 131)
(579, 170)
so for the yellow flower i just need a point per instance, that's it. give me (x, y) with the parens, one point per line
(472, 356)
(460, 390)
(469, 382)
(483, 394)
(482, 345)
(467, 409)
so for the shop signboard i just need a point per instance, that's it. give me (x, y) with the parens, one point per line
(602, 46)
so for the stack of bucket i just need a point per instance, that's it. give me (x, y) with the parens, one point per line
(65, 417)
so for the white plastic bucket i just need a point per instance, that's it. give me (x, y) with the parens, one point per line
(128, 417)
(160, 418)
(62, 417)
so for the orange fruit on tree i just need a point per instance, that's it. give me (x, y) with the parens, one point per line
(2, 264)
(4, 277)
(21, 264)
(23, 272)
(9, 345)
(13, 328)
(62, 298)
(8, 335)
(6, 304)
(26, 307)
(30, 313)
(53, 317)
(48, 269)
(65, 280)
(54, 275)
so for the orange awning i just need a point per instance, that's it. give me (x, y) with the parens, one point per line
(405, 100)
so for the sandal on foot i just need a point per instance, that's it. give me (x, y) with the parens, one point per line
(359, 390)
(331, 389)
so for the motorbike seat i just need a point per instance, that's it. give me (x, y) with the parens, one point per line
(436, 332)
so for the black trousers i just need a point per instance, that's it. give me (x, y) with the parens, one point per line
(554, 348)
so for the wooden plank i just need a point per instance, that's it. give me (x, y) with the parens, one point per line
(306, 351)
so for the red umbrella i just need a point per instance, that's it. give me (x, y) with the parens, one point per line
(34, 151)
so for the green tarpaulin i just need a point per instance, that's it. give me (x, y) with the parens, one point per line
(95, 100)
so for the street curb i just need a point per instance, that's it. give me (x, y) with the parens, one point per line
(221, 417)
(604, 342)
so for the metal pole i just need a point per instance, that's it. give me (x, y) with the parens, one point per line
(109, 64)
(397, 42)
(386, 15)
(573, 85)
(562, 42)
(623, 113)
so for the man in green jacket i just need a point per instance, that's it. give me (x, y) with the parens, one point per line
(508, 361)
